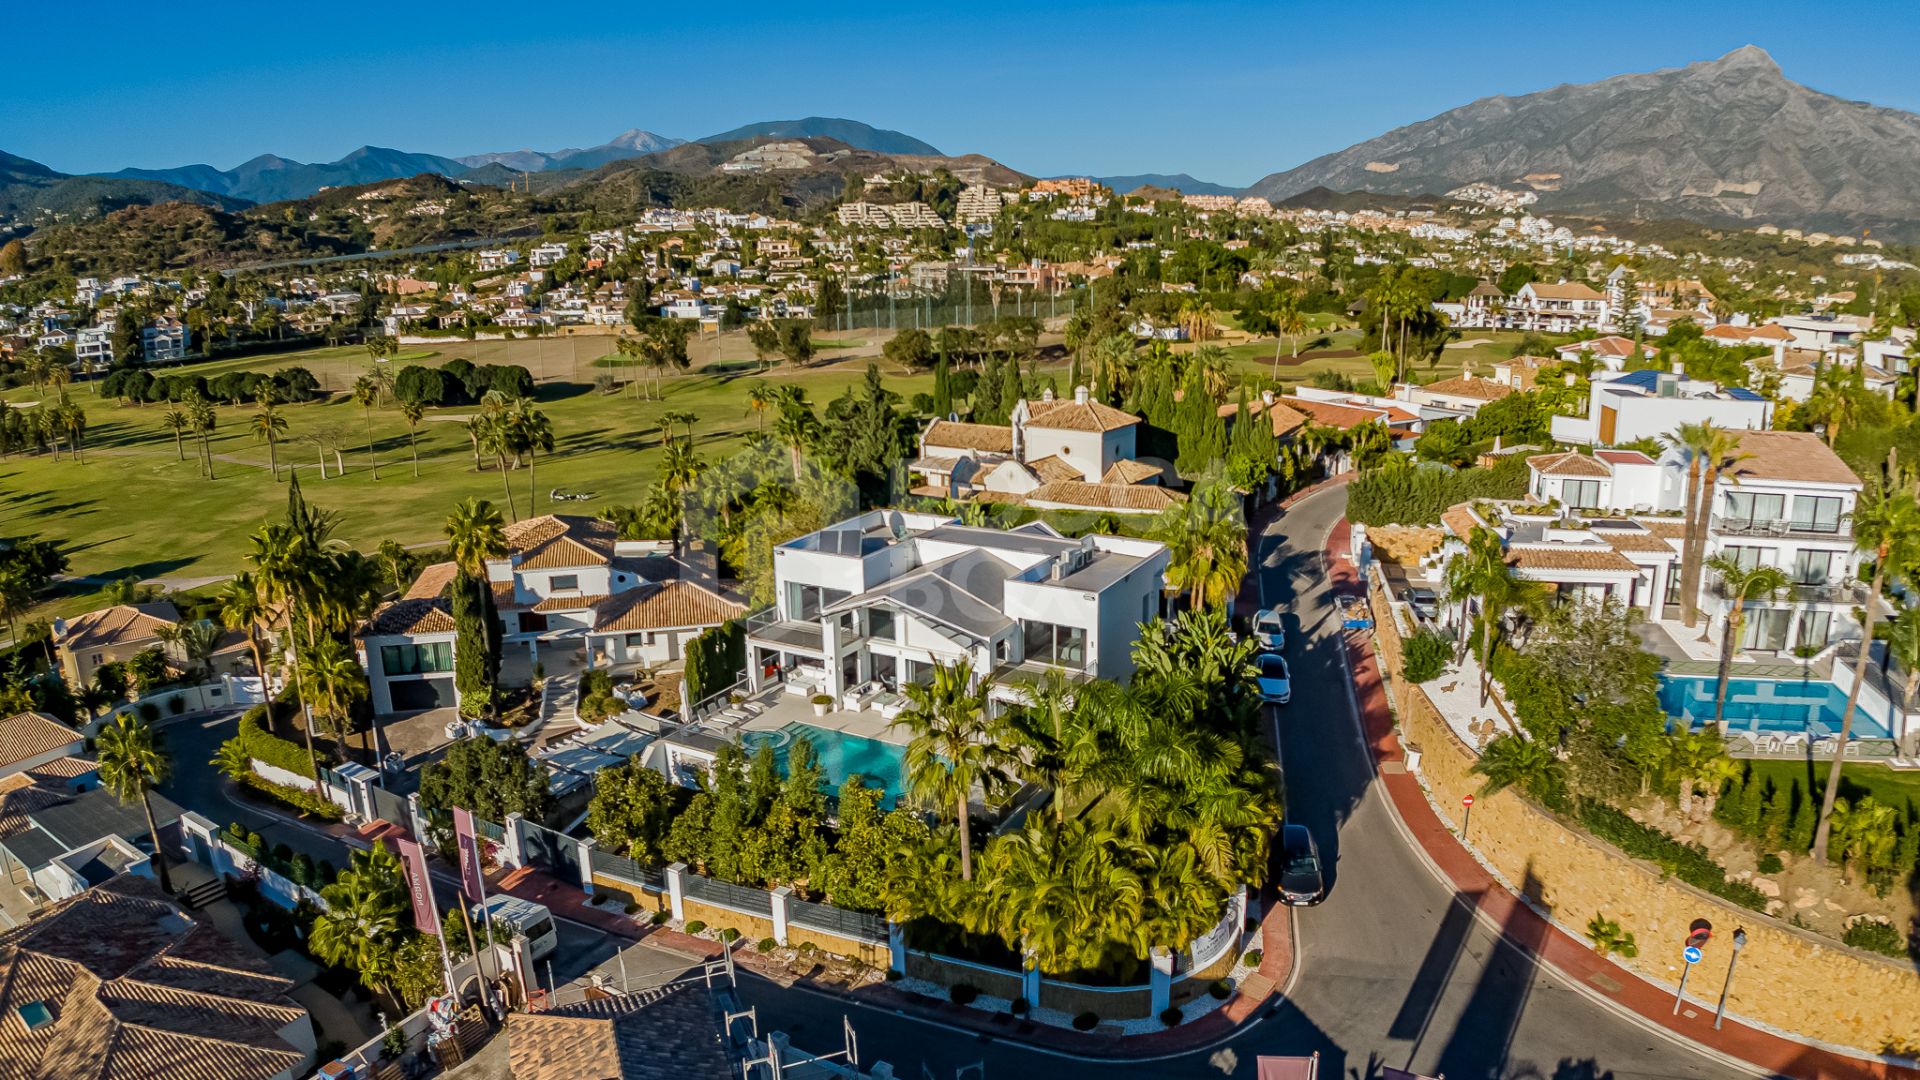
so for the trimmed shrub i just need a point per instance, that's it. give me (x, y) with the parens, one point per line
(1425, 657)
(148, 711)
(1418, 495)
(1253, 958)
(767, 944)
(661, 917)
(177, 704)
(1171, 1017)
(1221, 989)
(1018, 1006)
(1771, 864)
(1875, 936)
(1086, 1021)
(695, 926)
(1688, 862)
(964, 993)
(729, 935)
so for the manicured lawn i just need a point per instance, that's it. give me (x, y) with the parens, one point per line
(1886, 785)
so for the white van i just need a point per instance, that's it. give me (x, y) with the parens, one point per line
(532, 921)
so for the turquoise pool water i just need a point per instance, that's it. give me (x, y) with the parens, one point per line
(841, 755)
(1768, 706)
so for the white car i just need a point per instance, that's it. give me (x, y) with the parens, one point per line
(1268, 630)
(1275, 681)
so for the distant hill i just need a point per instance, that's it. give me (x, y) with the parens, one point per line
(852, 132)
(1180, 182)
(628, 144)
(1727, 141)
(269, 178)
(32, 193)
(1321, 198)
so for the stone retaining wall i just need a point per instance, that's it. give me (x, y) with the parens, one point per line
(1788, 978)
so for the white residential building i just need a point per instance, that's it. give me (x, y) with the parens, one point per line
(495, 258)
(1648, 404)
(93, 348)
(1560, 308)
(546, 254)
(163, 340)
(885, 597)
(1825, 333)
(570, 594)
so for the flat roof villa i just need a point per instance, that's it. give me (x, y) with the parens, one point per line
(876, 602)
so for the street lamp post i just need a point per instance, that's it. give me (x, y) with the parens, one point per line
(1739, 942)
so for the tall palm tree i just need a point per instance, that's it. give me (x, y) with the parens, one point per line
(796, 426)
(1041, 729)
(205, 420)
(133, 761)
(499, 438)
(241, 609)
(475, 533)
(362, 919)
(413, 412)
(332, 682)
(177, 422)
(1502, 595)
(1206, 538)
(532, 435)
(1699, 759)
(952, 750)
(1888, 524)
(1710, 454)
(16, 596)
(1466, 577)
(759, 399)
(1903, 643)
(268, 427)
(366, 393)
(1741, 583)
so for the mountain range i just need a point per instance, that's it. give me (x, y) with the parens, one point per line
(1727, 141)
(1180, 182)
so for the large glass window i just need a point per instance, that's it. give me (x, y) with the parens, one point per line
(416, 659)
(1747, 556)
(806, 602)
(1816, 513)
(1048, 643)
(1813, 567)
(1580, 494)
(880, 625)
(564, 583)
(1815, 628)
(1745, 508)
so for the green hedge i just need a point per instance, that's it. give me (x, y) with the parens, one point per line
(1688, 862)
(1418, 495)
(259, 743)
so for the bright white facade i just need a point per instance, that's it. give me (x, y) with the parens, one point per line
(1649, 404)
(883, 598)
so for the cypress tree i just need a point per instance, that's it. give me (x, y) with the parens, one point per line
(1012, 389)
(986, 395)
(942, 387)
(475, 665)
(1774, 819)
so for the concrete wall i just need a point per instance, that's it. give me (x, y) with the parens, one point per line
(1788, 978)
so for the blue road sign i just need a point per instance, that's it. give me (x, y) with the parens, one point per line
(1692, 954)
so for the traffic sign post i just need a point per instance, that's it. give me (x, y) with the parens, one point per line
(1466, 819)
(1697, 936)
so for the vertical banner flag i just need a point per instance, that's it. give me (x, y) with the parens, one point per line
(472, 881)
(419, 887)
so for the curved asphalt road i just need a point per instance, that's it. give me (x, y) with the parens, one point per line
(1392, 971)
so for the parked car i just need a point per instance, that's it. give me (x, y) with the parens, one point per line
(1269, 631)
(1301, 882)
(1276, 682)
(1424, 602)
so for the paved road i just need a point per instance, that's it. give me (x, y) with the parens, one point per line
(1393, 971)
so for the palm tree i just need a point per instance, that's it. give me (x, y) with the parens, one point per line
(1467, 575)
(1206, 538)
(1041, 729)
(1741, 584)
(1517, 761)
(476, 428)
(796, 425)
(133, 761)
(268, 427)
(532, 434)
(1904, 646)
(1868, 832)
(196, 641)
(952, 750)
(366, 393)
(759, 398)
(1888, 524)
(685, 419)
(205, 420)
(332, 681)
(16, 596)
(179, 424)
(1710, 453)
(500, 439)
(1500, 596)
(1699, 759)
(362, 918)
(413, 412)
(241, 609)
(475, 533)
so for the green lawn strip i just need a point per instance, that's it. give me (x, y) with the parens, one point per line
(1888, 786)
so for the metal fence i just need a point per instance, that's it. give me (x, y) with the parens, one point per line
(851, 924)
(725, 894)
(552, 852)
(390, 807)
(489, 830)
(621, 868)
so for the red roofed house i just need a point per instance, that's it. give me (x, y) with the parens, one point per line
(1052, 453)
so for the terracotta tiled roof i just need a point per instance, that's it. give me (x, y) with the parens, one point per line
(1460, 521)
(1565, 290)
(1066, 414)
(1328, 414)
(136, 991)
(21, 795)
(1623, 541)
(559, 541)
(1612, 345)
(663, 1034)
(62, 769)
(1623, 457)
(1466, 387)
(412, 617)
(1771, 332)
(1569, 558)
(118, 625)
(1052, 468)
(1790, 455)
(954, 434)
(1130, 472)
(432, 581)
(30, 734)
(569, 603)
(1571, 463)
(1286, 419)
(1138, 498)
(670, 606)
(1665, 528)
(939, 465)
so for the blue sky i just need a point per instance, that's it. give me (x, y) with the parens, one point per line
(1225, 91)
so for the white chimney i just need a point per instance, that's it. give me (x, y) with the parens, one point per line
(1266, 397)
(1679, 368)
(1570, 377)
(1047, 394)
(1079, 395)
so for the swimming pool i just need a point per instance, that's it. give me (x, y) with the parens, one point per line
(1768, 706)
(841, 755)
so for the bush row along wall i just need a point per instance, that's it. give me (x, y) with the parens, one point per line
(1788, 978)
